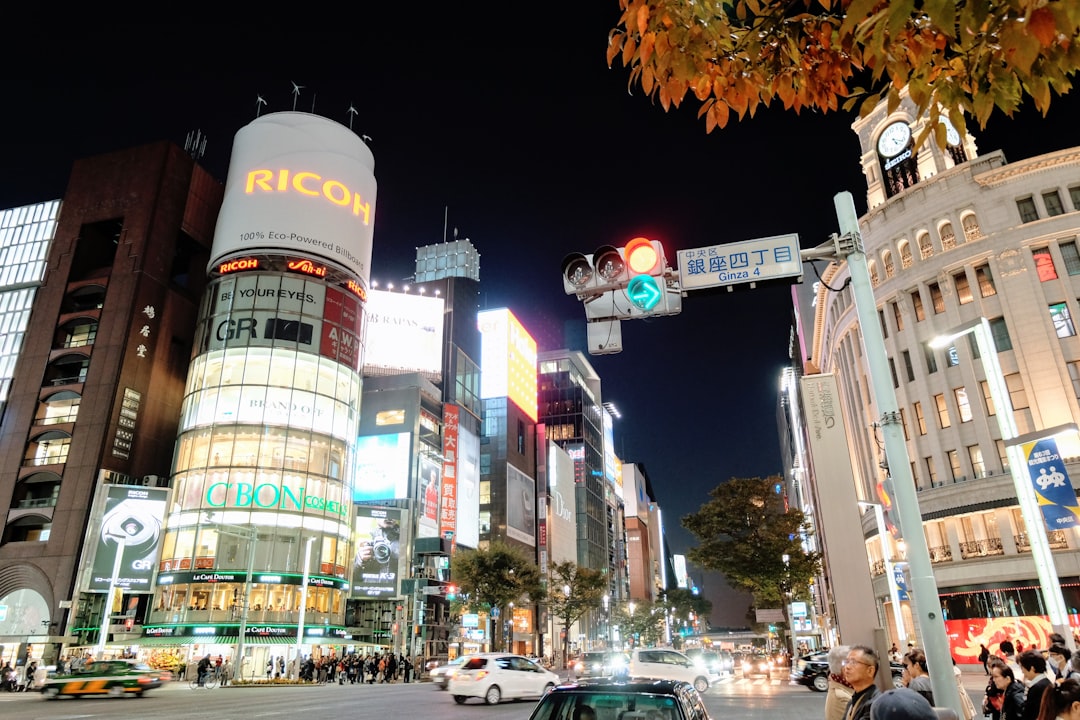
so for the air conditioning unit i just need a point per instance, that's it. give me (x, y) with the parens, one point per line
(150, 480)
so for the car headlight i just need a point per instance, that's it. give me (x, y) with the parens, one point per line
(747, 665)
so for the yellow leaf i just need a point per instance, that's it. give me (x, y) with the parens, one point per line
(868, 105)
(942, 14)
(1019, 48)
(856, 13)
(643, 18)
(983, 105)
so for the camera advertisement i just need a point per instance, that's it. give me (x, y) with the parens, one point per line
(378, 540)
(132, 523)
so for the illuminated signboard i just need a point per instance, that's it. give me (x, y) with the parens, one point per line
(382, 467)
(427, 521)
(378, 552)
(448, 506)
(237, 265)
(404, 334)
(467, 492)
(132, 520)
(300, 184)
(508, 360)
(520, 506)
(307, 267)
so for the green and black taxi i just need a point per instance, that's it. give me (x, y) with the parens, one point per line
(112, 678)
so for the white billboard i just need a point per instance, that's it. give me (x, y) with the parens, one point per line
(562, 515)
(520, 506)
(299, 183)
(404, 334)
(468, 489)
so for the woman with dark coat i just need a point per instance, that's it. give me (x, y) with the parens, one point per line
(1012, 707)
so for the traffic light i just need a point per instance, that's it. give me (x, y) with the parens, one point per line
(451, 592)
(623, 283)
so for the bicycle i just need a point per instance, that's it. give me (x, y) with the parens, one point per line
(209, 682)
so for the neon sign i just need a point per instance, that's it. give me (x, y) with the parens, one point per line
(356, 289)
(307, 267)
(237, 265)
(312, 185)
(268, 496)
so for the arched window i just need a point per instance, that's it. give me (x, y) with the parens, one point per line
(948, 237)
(905, 254)
(889, 265)
(971, 227)
(926, 247)
(875, 280)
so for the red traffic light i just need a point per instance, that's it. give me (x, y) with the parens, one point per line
(644, 256)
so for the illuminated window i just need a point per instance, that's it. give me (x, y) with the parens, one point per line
(988, 399)
(948, 237)
(1003, 455)
(942, 411)
(936, 298)
(1044, 264)
(954, 465)
(903, 422)
(926, 247)
(1063, 325)
(963, 407)
(916, 303)
(897, 316)
(1026, 206)
(905, 254)
(985, 280)
(963, 288)
(919, 419)
(931, 472)
(1017, 393)
(975, 456)
(971, 227)
(887, 262)
(874, 279)
(1052, 202)
(390, 417)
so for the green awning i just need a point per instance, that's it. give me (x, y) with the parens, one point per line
(232, 640)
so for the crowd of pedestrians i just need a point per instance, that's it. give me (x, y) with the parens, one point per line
(355, 668)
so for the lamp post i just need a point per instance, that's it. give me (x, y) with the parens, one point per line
(303, 604)
(106, 614)
(566, 630)
(894, 594)
(607, 621)
(1029, 508)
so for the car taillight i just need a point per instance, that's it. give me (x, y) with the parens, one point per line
(481, 674)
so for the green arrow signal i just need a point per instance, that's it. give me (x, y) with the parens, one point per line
(643, 291)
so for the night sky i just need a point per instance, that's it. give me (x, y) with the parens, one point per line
(507, 115)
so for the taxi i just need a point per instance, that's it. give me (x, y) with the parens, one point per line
(112, 678)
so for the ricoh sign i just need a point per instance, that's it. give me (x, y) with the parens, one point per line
(299, 183)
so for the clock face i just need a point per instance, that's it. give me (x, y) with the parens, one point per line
(894, 139)
(952, 137)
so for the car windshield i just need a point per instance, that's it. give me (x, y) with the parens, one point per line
(608, 706)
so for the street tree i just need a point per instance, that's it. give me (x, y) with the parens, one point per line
(684, 606)
(493, 578)
(955, 57)
(746, 533)
(641, 622)
(572, 592)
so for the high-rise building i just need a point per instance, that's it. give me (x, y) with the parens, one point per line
(90, 423)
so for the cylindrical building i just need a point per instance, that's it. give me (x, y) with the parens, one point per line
(262, 473)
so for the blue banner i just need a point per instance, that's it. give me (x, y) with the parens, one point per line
(1051, 483)
(900, 580)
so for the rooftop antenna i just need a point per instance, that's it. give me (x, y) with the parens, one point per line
(445, 218)
(195, 145)
(259, 102)
(352, 113)
(313, 104)
(296, 94)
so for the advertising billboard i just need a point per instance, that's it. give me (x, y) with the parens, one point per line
(404, 334)
(508, 360)
(520, 506)
(562, 523)
(299, 183)
(378, 552)
(467, 519)
(382, 467)
(132, 520)
(448, 494)
(427, 520)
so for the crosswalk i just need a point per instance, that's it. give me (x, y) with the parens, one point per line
(734, 680)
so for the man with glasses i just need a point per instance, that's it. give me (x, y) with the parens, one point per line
(860, 667)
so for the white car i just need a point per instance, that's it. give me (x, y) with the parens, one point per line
(440, 675)
(664, 664)
(495, 676)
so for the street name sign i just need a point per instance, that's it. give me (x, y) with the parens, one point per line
(750, 261)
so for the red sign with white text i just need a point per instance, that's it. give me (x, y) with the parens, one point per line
(448, 499)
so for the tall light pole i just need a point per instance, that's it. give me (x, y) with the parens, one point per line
(894, 594)
(1025, 495)
(106, 614)
(303, 604)
(607, 620)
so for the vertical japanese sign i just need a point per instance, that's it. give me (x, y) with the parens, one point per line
(1050, 480)
(448, 504)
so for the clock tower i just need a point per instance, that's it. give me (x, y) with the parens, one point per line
(890, 160)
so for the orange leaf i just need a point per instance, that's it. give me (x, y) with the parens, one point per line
(665, 99)
(722, 113)
(628, 50)
(702, 88)
(1042, 26)
(614, 45)
(710, 121)
(648, 40)
(647, 80)
(643, 18)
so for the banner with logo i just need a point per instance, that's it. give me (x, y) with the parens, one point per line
(1053, 489)
(132, 521)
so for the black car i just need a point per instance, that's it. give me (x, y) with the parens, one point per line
(813, 671)
(612, 700)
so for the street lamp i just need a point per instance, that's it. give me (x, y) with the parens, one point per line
(607, 619)
(894, 594)
(1029, 508)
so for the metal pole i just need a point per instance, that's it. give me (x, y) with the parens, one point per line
(303, 604)
(244, 607)
(106, 614)
(924, 588)
(1029, 508)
